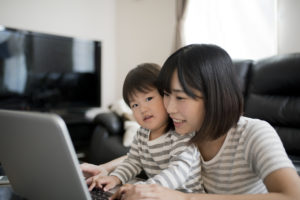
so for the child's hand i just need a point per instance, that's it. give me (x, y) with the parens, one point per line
(104, 182)
(90, 170)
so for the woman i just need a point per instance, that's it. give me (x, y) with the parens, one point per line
(241, 158)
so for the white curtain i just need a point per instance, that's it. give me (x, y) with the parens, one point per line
(244, 28)
(180, 19)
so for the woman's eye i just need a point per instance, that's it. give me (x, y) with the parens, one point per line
(180, 98)
(149, 98)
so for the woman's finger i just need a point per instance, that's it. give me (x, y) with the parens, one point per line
(118, 194)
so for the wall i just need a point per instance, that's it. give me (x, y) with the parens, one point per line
(131, 31)
(145, 33)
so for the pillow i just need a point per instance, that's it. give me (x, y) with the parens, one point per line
(122, 109)
(131, 128)
(129, 123)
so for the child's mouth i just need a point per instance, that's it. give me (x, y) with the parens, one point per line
(147, 117)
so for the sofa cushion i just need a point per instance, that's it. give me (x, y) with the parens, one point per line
(242, 68)
(274, 96)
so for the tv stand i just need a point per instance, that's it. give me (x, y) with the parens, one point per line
(80, 129)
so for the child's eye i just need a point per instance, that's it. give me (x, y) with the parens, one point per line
(149, 99)
(134, 105)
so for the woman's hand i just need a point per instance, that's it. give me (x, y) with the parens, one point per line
(90, 170)
(146, 192)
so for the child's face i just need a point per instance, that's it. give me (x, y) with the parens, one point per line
(187, 113)
(149, 111)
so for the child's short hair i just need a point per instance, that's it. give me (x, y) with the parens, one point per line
(208, 69)
(142, 78)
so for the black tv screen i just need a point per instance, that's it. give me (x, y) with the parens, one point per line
(48, 72)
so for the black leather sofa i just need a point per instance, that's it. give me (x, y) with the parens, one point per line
(271, 89)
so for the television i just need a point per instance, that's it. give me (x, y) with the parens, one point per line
(47, 72)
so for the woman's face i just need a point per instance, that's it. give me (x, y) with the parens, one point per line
(187, 113)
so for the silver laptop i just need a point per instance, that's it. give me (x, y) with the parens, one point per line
(38, 157)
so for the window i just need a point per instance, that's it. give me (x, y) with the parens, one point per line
(245, 29)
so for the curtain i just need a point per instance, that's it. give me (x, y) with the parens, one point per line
(181, 6)
(244, 28)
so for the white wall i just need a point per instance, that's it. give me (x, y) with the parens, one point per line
(131, 31)
(145, 33)
(288, 26)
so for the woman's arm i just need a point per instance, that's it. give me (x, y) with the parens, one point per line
(282, 184)
(180, 171)
(131, 166)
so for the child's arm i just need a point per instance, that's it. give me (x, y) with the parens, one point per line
(131, 166)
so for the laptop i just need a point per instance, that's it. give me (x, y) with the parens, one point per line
(38, 157)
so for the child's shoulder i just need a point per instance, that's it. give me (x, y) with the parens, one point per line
(143, 132)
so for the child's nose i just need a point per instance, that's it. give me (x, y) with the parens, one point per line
(143, 108)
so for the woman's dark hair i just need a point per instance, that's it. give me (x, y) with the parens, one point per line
(208, 69)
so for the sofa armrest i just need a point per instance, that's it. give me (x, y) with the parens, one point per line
(105, 147)
(110, 121)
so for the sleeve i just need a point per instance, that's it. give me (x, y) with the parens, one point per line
(264, 150)
(131, 166)
(177, 172)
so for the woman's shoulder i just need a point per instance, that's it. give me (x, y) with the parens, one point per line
(250, 123)
(253, 128)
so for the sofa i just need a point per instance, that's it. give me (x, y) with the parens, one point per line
(271, 89)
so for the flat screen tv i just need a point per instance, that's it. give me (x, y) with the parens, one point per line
(46, 72)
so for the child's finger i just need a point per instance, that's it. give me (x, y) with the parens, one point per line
(89, 180)
(91, 187)
(109, 186)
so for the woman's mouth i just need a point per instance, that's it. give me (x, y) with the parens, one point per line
(177, 122)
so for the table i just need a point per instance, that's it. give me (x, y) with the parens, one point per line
(6, 193)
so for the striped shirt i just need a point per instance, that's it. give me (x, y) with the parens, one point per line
(251, 151)
(167, 160)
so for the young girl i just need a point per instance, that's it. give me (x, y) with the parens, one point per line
(241, 158)
(167, 157)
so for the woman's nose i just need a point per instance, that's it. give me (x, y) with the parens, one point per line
(170, 105)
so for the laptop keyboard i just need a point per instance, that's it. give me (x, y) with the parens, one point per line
(98, 194)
